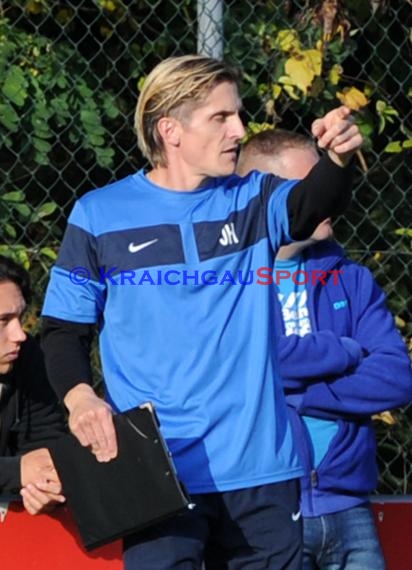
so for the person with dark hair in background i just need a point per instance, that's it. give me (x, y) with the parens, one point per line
(30, 415)
(341, 359)
(165, 255)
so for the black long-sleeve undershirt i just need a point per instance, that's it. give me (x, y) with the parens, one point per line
(66, 346)
(324, 193)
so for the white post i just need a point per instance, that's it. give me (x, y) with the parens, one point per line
(210, 28)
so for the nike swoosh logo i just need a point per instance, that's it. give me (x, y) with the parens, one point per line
(296, 516)
(135, 248)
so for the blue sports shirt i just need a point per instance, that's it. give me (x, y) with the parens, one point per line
(172, 279)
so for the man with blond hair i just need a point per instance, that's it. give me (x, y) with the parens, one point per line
(172, 254)
(341, 359)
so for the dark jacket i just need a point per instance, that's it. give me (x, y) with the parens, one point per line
(30, 415)
(353, 364)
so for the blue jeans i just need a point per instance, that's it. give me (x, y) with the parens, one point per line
(347, 540)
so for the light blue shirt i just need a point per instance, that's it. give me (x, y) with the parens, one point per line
(293, 299)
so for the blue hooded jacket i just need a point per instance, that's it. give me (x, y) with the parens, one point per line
(353, 364)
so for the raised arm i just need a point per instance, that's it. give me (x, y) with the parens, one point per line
(326, 190)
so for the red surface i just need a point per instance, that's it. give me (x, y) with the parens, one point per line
(393, 518)
(50, 542)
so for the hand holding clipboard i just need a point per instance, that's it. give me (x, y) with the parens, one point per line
(133, 491)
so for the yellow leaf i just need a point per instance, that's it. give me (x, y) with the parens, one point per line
(254, 128)
(106, 31)
(385, 417)
(335, 74)
(64, 15)
(341, 30)
(313, 57)
(300, 73)
(352, 98)
(302, 68)
(140, 83)
(270, 107)
(400, 323)
(110, 6)
(34, 7)
(291, 92)
(286, 40)
(276, 91)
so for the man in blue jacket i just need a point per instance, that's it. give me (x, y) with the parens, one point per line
(342, 360)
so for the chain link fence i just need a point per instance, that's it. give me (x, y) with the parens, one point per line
(70, 74)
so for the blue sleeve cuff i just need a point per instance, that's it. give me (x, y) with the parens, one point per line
(354, 350)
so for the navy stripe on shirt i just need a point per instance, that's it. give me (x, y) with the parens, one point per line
(238, 231)
(124, 250)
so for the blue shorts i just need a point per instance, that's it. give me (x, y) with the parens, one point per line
(251, 529)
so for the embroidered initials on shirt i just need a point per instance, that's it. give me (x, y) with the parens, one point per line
(229, 236)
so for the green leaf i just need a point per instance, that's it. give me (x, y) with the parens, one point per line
(62, 81)
(16, 196)
(365, 128)
(73, 137)
(110, 108)
(41, 158)
(41, 145)
(9, 118)
(96, 140)
(380, 106)
(48, 252)
(10, 230)
(21, 255)
(403, 232)
(105, 156)
(4, 249)
(393, 147)
(91, 121)
(15, 86)
(86, 93)
(23, 210)
(46, 209)
(7, 141)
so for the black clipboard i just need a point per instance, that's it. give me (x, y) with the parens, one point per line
(135, 490)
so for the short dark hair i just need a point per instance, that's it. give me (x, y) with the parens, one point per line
(17, 274)
(271, 141)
